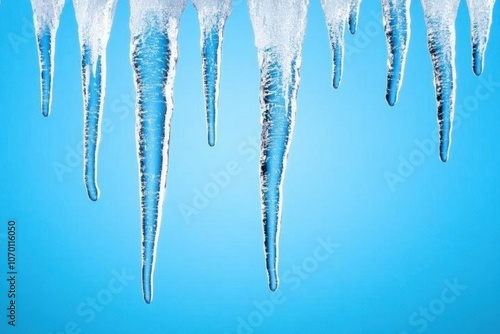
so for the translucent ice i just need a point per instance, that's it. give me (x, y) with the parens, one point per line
(336, 13)
(279, 27)
(481, 16)
(154, 27)
(397, 31)
(353, 15)
(212, 15)
(94, 18)
(440, 19)
(46, 15)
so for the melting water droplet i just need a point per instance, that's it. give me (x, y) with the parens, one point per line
(481, 17)
(440, 20)
(336, 13)
(279, 31)
(46, 14)
(95, 18)
(154, 28)
(396, 15)
(354, 15)
(212, 15)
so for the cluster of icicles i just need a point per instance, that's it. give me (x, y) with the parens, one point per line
(279, 27)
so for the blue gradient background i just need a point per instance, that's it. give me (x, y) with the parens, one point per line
(396, 246)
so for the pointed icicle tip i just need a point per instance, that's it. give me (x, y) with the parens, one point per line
(354, 15)
(481, 18)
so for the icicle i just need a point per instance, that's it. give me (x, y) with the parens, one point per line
(46, 15)
(212, 15)
(353, 15)
(94, 18)
(397, 31)
(440, 19)
(481, 16)
(336, 12)
(154, 28)
(279, 27)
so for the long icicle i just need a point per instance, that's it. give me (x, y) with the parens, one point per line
(354, 15)
(95, 18)
(212, 15)
(336, 13)
(154, 26)
(440, 19)
(279, 27)
(481, 17)
(396, 17)
(46, 14)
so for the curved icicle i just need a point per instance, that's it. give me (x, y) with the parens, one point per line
(279, 30)
(95, 18)
(440, 20)
(154, 28)
(481, 17)
(396, 17)
(212, 15)
(354, 7)
(336, 12)
(46, 14)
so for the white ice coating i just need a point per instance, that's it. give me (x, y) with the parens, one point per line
(94, 18)
(211, 12)
(47, 13)
(143, 12)
(481, 17)
(336, 15)
(280, 25)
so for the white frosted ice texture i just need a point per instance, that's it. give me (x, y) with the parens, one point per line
(481, 17)
(211, 12)
(46, 15)
(440, 19)
(94, 18)
(279, 27)
(47, 12)
(143, 13)
(336, 15)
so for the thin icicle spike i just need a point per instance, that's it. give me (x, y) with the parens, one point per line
(440, 19)
(354, 15)
(336, 14)
(481, 17)
(46, 14)
(279, 27)
(396, 18)
(212, 15)
(154, 28)
(95, 18)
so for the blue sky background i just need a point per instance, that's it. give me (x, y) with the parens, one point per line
(399, 246)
